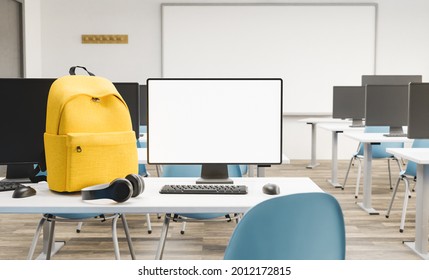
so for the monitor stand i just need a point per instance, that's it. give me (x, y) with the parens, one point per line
(395, 131)
(357, 123)
(214, 173)
(20, 173)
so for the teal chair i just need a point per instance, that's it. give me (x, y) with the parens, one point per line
(304, 226)
(195, 171)
(378, 152)
(76, 218)
(63, 217)
(410, 172)
(52, 218)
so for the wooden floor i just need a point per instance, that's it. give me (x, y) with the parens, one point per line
(368, 237)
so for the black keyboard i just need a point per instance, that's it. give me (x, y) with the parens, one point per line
(8, 186)
(204, 189)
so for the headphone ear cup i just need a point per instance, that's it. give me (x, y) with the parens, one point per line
(120, 190)
(137, 183)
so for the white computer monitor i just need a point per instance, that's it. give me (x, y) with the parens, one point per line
(214, 122)
(387, 105)
(418, 112)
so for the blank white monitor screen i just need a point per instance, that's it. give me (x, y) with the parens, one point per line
(418, 113)
(215, 121)
(386, 105)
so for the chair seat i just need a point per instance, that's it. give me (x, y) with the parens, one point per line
(203, 216)
(82, 216)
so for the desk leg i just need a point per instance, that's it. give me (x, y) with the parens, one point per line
(420, 246)
(56, 246)
(161, 245)
(250, 169)
(313, 162)
(260, 171)
(367, 182)
(334, 168)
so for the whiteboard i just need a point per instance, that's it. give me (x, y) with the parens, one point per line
(312, 47)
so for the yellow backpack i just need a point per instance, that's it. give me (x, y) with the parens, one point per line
(89, 138)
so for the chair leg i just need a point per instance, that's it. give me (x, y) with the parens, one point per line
(115, 238)
(393, 196)
(35, 239)
(182, 231)
(347, 173)
(163, 237)
(405, 205)
(128, 236)
(358, 179)
(149, 224)
(237, 217)
(399, 164)
(79, 227)
(390, 174)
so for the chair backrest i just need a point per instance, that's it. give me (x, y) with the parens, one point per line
(305, 226)
(194, 170)
(379, 151)
(411, 169)
(142, 167)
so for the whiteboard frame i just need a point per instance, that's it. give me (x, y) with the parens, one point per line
(285, 113)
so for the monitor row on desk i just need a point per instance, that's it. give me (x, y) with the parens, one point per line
(393, 101)
(189, 121)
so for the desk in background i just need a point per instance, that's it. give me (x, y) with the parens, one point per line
(313, 122)
(335, 129)
(421, 157)
(151, 201)
(260, 171)
(369, 139)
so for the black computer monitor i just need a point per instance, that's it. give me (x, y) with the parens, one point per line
(143, 105)
(130, 92)
(418, 112)
(349, 103)
(214, 122)
(390, 79)
(387, 105)
(23, 119)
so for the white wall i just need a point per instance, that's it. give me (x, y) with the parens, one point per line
(402, 48)
(32, 39)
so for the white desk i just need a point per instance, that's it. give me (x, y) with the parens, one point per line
(313, 122)
(421, 157)
(143, 137)
(151, 201)
(369, 139)
(335, 129)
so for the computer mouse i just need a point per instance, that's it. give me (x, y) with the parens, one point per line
(23, 191)
(270, 189)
